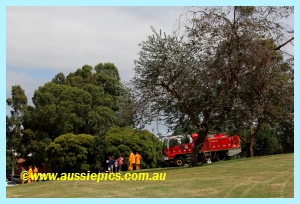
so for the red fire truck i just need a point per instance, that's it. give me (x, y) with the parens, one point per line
(216, 147)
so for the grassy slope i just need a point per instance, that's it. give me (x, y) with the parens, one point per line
(259, 177)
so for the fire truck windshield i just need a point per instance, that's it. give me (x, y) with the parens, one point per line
(176, 140)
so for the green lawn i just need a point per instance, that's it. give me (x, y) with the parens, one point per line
(258, 177)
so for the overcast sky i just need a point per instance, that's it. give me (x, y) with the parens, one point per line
(43, 41)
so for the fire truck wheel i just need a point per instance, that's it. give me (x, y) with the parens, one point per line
(179, 161)
(221, 156)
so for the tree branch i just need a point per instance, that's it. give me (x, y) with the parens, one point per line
(280, 46)
(186, 109)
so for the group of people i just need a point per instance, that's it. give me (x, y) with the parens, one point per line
(115, 165)
(32, 170)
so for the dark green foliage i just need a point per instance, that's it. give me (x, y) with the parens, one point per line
(285, 135)
(267, 142)
(99, 152)
(33, 146)
(10, 140)
(108, 69)
(122, 140)
(87, 101)
(71, 153)
(59, 79)
(18, 101)
(9, 164)
(61, 109)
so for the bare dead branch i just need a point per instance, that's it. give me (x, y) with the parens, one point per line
(280, 46)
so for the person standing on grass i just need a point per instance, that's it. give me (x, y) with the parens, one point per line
(120, 160)
(22, 170)
(137, 161)
(131, 161)
(35, 173)
(116, 165)
(29, 174)
(111, 163)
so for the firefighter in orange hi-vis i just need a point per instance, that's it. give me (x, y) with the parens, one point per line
(29, 174)
(35, 173)
(22, 170)
(137, 161)
(131, 161)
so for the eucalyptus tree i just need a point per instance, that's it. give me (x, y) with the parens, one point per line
(221, 71)
(63, 109)
(87, 101)
(242, 56)
(18, 103)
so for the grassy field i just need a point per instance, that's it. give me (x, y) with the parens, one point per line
(259, 177)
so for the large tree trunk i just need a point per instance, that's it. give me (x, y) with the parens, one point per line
(250, 147)
(198, 144)
(253, 131)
